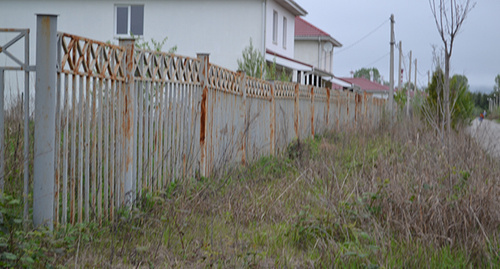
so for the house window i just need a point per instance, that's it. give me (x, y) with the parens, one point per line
(284, 32)
(129, 20)
(275, 27)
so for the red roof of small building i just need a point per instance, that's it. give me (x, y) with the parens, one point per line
(304, 28)
(336, 86)
(366, 84)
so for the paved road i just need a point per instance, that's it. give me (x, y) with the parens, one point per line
(487, 134)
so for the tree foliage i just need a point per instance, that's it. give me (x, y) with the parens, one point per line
(496, 88)
(253, 64)
(365, 73)
(154, 45)
(461, 101)
(480, 100)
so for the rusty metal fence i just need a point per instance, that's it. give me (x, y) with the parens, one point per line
(185, 116)
(129, 121)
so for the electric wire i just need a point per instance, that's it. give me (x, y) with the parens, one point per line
(378, 60)
(363, 38)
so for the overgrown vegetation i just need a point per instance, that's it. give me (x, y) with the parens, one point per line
(367, 199)
(384, 198)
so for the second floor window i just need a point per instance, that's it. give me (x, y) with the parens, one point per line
(129, 20)
(275, 27)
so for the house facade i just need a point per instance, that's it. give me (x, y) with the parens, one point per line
(222, 28)
(315, 47)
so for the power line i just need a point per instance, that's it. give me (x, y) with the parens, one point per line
(363, 38)
(378, 59)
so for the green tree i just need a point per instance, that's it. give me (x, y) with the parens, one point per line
(461, 100)
(154, 45)
(449, 17)
(365, 73)
(253, 62)
(496, 88)
(254, 65)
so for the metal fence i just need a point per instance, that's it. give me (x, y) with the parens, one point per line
(128, 121)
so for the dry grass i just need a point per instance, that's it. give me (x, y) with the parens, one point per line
(383, 198)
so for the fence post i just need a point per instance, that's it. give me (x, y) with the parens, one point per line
(45, 120)
(2, 132)
(204, 58)
(312, 111)
(128, 121)
(296, 111)
(243, 116)
(328, 109)
(272, 124)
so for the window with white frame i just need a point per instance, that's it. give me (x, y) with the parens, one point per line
(284, 32)
(275, 27)
(129, 19)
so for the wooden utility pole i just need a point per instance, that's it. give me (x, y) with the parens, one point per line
(415, 84)
(400, 72)
(408, 89)
(391, 75)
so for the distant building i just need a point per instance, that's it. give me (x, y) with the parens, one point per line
(315, 47)
(362, 85)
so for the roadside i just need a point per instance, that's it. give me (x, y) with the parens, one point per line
(487, 134)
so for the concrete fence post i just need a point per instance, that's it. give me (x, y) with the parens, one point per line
(312, 111)
(272, 124)
(243, 117)
(327, 119)
(2, 132)
(296, 112)
(204, 71)
(45, 120)
(129, 122)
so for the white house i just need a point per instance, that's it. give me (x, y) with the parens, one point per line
(222, 28)
(315, 47)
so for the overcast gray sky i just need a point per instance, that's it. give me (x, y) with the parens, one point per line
(477, 48)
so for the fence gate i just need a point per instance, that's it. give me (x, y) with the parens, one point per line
(21, 66)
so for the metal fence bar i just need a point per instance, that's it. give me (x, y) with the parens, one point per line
(26, 124)
(87, 148)
(80, 149)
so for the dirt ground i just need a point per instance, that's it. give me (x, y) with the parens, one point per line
(487, 134)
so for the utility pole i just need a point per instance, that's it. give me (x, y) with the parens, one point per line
(391, 75)
(408, 89)
(415, 84)
(400, 72)
(428, 77)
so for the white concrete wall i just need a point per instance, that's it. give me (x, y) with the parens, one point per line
(222, 28)
(307, 52)
(278, 47)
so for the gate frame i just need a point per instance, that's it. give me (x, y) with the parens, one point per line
(26, 67)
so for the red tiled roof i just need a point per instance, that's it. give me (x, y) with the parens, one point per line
(304, 28)
(336, 86)
(366, 84)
